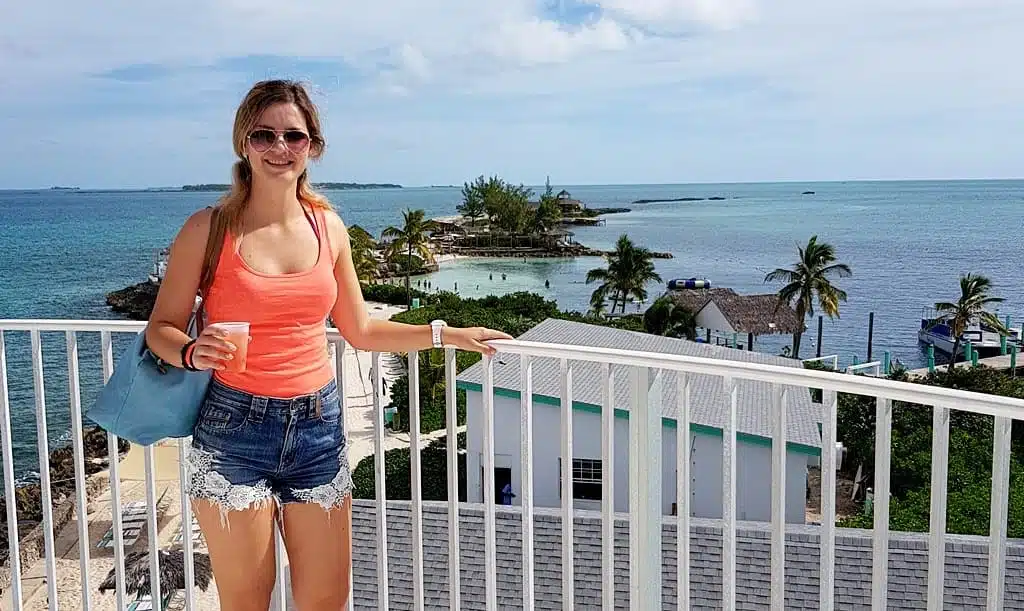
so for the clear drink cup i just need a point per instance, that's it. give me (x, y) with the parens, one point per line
(238, 334)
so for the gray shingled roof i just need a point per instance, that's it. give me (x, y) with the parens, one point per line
(965, 575)
(707, 393)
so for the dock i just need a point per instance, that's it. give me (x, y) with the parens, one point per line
(993, 362)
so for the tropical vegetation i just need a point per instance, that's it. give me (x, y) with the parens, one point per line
(810, 280)
(629, 270)
(668, 318)
(409, 240)
(363, 248)
(970, 307)
(970, 454)
(507, 208)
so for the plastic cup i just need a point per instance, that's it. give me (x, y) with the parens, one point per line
(238, 334)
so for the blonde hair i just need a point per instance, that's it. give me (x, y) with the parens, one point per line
(262, 96)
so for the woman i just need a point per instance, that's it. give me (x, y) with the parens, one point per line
(269, 442)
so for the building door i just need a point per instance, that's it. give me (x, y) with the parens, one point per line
(502, 477)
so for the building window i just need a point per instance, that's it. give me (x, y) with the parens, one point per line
(586, 479)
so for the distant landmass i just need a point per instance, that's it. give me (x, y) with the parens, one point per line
(330, 186)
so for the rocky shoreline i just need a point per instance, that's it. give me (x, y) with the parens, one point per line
(136, 301)
(29, 500)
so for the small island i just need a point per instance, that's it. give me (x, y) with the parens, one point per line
(326, 186)
(713, 198)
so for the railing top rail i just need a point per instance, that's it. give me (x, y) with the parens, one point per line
(815, 359)
(909, 392)
(59, 324)
(865, 365)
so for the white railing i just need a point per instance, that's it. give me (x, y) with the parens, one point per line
(832, 358)
(872, 368)
(645, 513)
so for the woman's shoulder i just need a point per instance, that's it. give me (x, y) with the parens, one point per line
(335, 226)
(196, 227)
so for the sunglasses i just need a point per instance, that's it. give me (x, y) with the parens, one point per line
(262, 139)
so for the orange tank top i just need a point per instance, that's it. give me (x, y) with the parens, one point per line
(287, 314)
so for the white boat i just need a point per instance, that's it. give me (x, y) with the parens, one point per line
(935, 332)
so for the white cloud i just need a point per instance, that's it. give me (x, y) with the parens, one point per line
(730, 80)
(661, 13)
(536, 41)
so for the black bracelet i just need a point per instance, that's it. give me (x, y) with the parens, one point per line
(186, 362)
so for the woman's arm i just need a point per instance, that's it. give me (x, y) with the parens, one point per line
(165, 333)
(369, 334)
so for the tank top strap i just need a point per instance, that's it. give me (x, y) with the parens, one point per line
(321, 218)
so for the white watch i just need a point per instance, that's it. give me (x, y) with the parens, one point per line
(435, 332)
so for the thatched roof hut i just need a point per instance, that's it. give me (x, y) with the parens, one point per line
(756, 315)
(760, 314)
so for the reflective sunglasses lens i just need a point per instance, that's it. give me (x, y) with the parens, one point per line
(262, 139)
(296, 140)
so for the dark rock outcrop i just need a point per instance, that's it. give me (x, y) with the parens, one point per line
(135, 302)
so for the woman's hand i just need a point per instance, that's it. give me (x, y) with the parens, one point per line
(472, 338)
(212, 350)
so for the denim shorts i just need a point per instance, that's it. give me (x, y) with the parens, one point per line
(248, 449)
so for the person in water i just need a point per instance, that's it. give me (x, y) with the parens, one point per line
(270, 442)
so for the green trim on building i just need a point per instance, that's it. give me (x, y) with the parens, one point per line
(701, 429)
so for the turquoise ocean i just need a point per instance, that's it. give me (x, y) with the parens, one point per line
(907, 242)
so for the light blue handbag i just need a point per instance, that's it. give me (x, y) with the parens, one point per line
(148, 399)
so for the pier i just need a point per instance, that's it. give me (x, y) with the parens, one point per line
(1003, 361)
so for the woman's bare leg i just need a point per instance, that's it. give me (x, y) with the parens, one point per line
(241, 548)
(319, 544)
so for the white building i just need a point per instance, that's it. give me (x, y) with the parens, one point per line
(710, 407)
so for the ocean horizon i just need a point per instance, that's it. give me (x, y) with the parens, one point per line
(536, 187)
(908, 241)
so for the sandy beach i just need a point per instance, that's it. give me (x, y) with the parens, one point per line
(359, 425)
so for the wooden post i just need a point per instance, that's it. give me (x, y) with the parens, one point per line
(931, 358)
(886, 362)
(1013, 360)
(821, 320)
(750, 342)
(871, 332)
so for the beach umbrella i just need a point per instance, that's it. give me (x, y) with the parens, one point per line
(172, 572)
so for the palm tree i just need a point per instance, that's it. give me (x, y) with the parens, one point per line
(630, 268)
(413, 239)
(970, 307)
(810, 279)
(666, 317)
(363, 246)
(598, 302)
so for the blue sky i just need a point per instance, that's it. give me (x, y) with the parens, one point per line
(616, 91)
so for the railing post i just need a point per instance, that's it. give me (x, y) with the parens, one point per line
(9, 491)
(644, 497)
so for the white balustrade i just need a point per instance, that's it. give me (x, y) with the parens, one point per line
(644, 371)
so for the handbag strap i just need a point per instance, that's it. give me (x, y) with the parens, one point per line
(214, 243)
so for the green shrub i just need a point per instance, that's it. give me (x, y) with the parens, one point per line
(970, 455)
(397, 473)
(391, 294)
